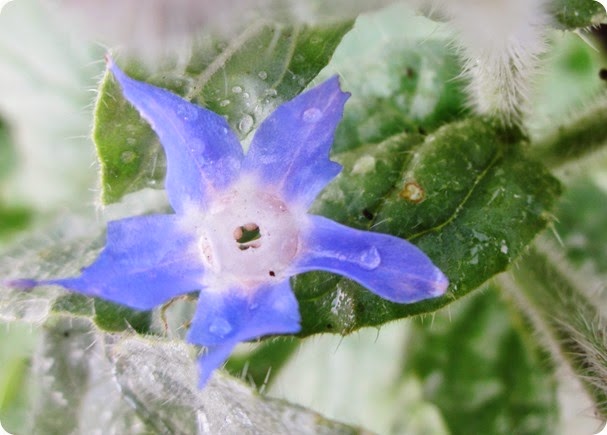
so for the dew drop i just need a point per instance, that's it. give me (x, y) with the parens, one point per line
(262, 75)
(270, 92)
(237, 89)
(245, 124)
(187, 112)
(311, 115)
(131, 140)
(369, 259)
(220, 327)
(224, 103)
(245, 95)
(128, 156)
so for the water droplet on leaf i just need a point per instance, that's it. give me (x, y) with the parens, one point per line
(128, 156)
(237, 89)
(270, 92)
(263, 75)
(224, 103)
(245, 124)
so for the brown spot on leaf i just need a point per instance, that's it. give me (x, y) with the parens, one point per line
(413, 192)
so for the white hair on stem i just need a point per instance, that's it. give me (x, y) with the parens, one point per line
(500, 41)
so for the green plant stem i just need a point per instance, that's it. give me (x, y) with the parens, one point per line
(563, 312)
(579, 138)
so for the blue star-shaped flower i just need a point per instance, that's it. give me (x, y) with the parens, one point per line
(240, 227)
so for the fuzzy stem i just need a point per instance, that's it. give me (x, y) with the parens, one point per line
(579, 138)
(562, 312)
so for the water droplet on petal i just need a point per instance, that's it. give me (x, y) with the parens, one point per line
(262, 75)
(311, 115)
(220, 327)
(369, 259)
(245, 124)
(187, 112)
(237, 89)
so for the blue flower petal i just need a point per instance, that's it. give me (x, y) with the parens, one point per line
(224, 318)
(213, 358)
(290, 149)
(203, 154)
(388, 266)
(146, 261)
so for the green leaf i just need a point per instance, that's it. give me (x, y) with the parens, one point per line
(467, 196)
(115, 318)
(573, 14)
(416, 91)
(560, 302)
(243, 79)
(403, 76)
(478, 366)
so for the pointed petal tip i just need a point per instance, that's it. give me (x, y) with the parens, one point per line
(333, 86)
(25, 284)
(439, 284)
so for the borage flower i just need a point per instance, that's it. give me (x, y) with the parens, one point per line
(240, 227)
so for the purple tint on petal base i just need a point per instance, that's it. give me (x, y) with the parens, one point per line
(388, 266)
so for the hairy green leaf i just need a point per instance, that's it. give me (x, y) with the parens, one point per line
(466, 195)
(243, 79)
(481, 371)
(173, 404)
(260, 366)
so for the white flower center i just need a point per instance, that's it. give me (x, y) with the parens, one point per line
(248, 237)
